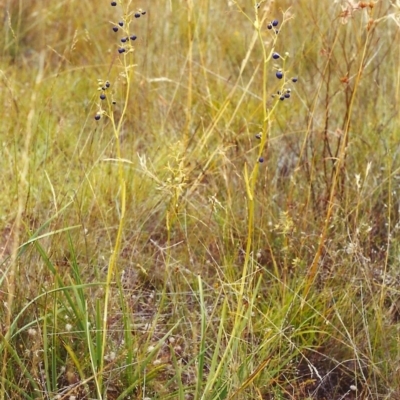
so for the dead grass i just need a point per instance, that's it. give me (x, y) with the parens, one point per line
(232, 278)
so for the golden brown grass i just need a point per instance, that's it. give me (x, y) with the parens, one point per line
(151, 254)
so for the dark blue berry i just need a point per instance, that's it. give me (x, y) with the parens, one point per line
(102, 96)
(120, 23)
(121, 50)
(269, 26)
(279, 74)
(287, 95)
(108, 84)
(115, 28)
(97, 117)
(275, 56)
(258, 136)
(282, 98)
(261, 160)
(275, 22)
(294, 79)
(123, 40)
(133, 37)
(113, 3)
(137, 15)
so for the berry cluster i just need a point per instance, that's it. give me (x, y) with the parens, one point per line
(102, 88)
(285, 91)
(273, 24)
(124, 47)
(128, 36)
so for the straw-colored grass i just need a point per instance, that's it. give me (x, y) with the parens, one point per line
(201, 238)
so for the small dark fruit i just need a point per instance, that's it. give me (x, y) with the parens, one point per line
(123, 40)
(113, 3)
(275, 22)
(115, 28)
(279, 74)
(269, 26)
(275, 56)
(137, 15)
(108, 84)
(133, 37)
(261, 160)
(121, 50)
(97, 117)
(294, 79)
(120, 23)
(102, 96)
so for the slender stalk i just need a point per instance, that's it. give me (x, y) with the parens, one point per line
(127, 66)
(338, 167)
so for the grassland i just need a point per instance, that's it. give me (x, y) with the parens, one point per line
(200, 238)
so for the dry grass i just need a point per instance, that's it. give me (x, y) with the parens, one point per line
(152, 253)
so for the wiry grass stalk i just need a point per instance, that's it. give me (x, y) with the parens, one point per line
(251, 181)
(128, 70)
(190, 34)
(312, 273)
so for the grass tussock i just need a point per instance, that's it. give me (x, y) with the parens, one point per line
(205, 209)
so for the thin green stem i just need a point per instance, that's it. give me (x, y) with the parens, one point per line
(128, 62)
